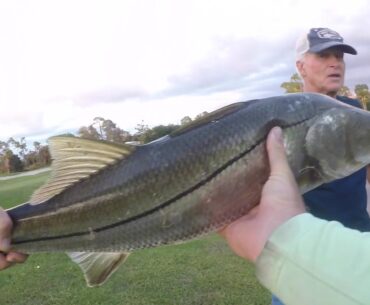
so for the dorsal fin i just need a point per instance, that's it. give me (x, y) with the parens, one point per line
(210, 117)
(75, 159)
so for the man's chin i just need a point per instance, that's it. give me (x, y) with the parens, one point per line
(333, 90)
(332, 93)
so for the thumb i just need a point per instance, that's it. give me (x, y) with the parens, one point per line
(276, 153)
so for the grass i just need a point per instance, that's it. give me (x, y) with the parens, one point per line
(18, 190)
(200, 272)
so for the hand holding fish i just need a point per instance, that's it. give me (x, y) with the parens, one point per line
(280, 201)
(7, 258)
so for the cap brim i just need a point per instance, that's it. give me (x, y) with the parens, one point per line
(331, 44)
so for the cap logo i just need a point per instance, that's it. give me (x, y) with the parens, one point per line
(328, 34)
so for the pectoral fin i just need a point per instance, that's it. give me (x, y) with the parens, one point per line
(98, 267)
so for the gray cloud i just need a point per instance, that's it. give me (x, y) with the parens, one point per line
(252, 66)
(258, 67)
(110, 95)
(245, 64)
(358, 67)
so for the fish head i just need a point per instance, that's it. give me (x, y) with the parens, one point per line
(338, 141)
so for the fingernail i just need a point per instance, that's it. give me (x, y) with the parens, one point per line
(278, 134)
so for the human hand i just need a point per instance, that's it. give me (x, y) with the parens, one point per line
(7, 257)
(280, 201)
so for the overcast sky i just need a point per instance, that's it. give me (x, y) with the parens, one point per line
(62, 63)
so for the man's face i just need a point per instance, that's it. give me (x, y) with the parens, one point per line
(322, 72)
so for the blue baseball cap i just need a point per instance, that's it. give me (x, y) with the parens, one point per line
(320, 39)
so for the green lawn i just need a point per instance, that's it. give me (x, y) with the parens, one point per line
(203, 272)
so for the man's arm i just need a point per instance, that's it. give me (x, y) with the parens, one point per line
(7, 257)
(312, 261)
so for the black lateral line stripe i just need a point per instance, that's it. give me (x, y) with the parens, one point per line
(163, 205)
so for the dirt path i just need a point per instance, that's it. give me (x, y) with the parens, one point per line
(30, 173)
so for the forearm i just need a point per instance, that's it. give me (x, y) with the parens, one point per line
(310, 261)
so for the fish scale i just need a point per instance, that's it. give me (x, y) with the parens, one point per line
(189, 183)
(192, 156)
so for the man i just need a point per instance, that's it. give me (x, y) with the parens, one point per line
(320, 62)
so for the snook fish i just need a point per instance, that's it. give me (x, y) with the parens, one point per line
(105, 200)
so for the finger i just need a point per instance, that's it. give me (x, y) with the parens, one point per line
(275, 149)
(5, 231)
(4, 263)
(15, 257)
(276, 152)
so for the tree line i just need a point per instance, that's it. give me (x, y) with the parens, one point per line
(360, 91)
(26, 158)
(15, 155)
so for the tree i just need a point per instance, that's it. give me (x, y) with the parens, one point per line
(200, 115)
(89, 132)
(10, 162)
(97, 125)
(20, 146)
(345, 91)
(39, 157)
(111, 132)
(186, 120)
(37, 145)
(31, 160)
(43, 156)
(363, 94)
(157, 132)
(102, 129)
(141, 130)
(3, 146)
(294, 85)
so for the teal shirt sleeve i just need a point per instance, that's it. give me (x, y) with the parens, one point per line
(310, 261)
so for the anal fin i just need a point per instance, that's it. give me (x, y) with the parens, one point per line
(98, 267)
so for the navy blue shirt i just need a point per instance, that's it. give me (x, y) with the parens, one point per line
(343, 200)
